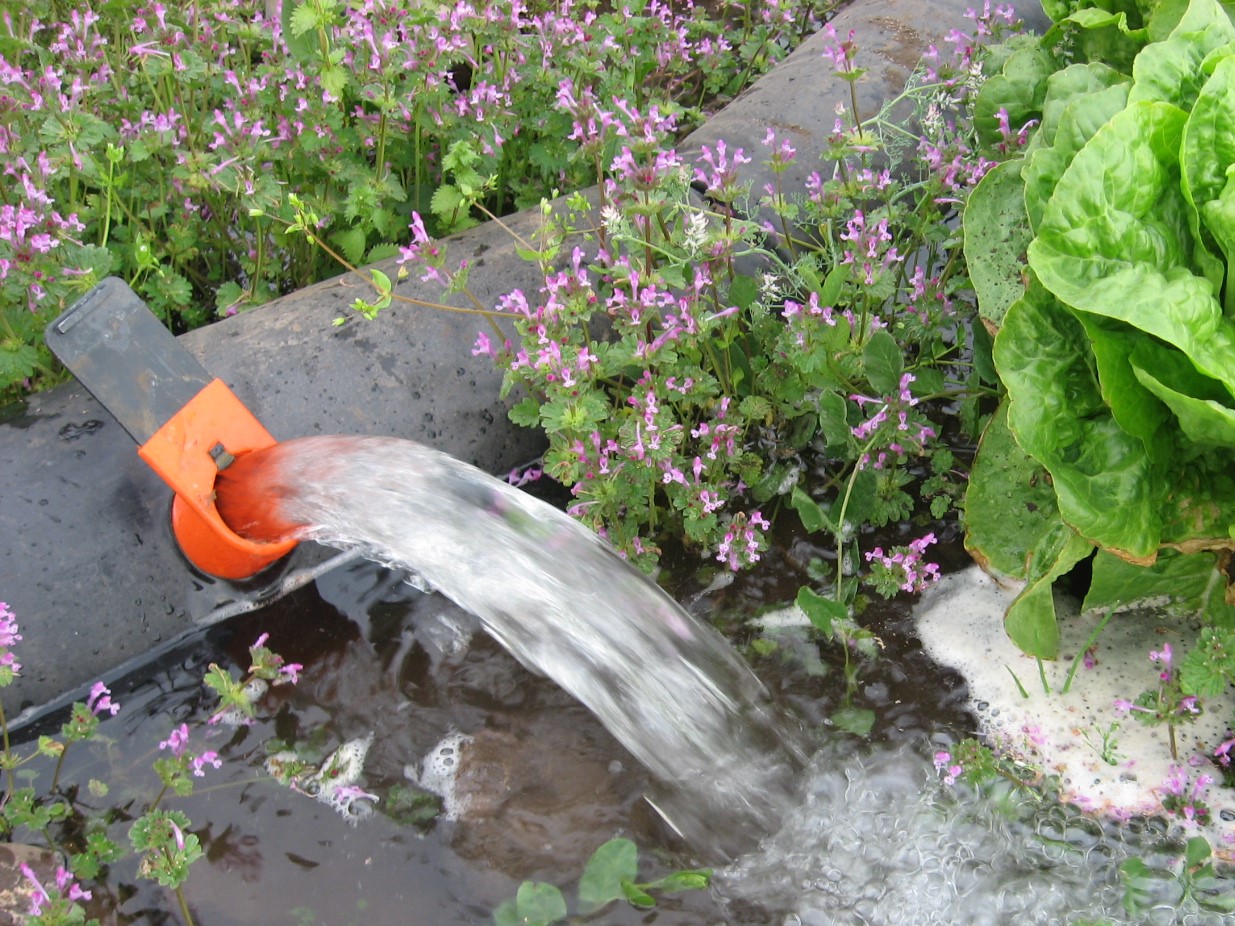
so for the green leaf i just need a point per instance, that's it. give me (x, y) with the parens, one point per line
(351, 242)
(1009, 503)
(1200, 404)
(997, 233)
(1132, 405)
(1080, 100)
(381, 251)
(1208, 669)
(1206, 158)
(636, 896)
(834, 418)
(1105, 486)
(696, 879)
(855, 720)
(1019, 89)
(229, 294)
(813, 517)
(821, 611)
(446, 200)
(830, 291)
(883, 362)
(539, 904)
(1197, 851)
(334, 79)
(1170, 70)
(1107, 36)
(1114, 238)
(17, 362)
(1186, 585)
(299, 19)
(381, 282)
(507, 914)
(743, 292)
(614, 862)
(525, 413)
(1030, 621)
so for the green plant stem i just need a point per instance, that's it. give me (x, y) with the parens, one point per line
(840, 519)
(55, 778)
(9, 783)
(853, 101)
(184, 906)
(1042, 675)
(1080, 654)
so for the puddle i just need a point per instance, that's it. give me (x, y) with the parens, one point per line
(541, 784)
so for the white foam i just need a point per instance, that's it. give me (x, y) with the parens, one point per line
(439, 773)
(960, 623)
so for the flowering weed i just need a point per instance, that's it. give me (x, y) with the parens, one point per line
(693, 367)
(80, 834)
(163, 142)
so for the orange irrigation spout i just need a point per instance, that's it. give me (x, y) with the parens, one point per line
(188, 452)
(188, 425)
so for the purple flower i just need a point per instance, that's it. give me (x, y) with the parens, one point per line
(210, 757)
(176, 740)
(1223, 753)
(952, 770)
(8, 626)
(39, 895)
(1163, 656)
(290, 673)
(100, 700)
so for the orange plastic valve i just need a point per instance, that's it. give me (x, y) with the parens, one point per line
(186, 453)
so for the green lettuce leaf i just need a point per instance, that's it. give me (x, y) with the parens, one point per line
(1031, 621)
(1080, 100)
(1104, 481)
(1009, 503)
(1206, 158)
(1114, 238)
(996, 235)
(1170, 70)
(1184, 585)
(1134, 406)
(1202, 406)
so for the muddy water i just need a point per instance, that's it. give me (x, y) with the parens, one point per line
(548, 783)
(878, 840)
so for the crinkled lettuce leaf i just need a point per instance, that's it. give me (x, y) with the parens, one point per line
(1190, 585)
(1115, 240)
(1080, 100)
(1105, 482)
(996, 235)
(1206, 160)
(1170, 71)
(1013, 528)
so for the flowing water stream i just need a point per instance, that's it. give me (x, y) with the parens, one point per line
(666, 685)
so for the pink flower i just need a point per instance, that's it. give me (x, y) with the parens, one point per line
(210, 757)
(176, 740)
(100, 700)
